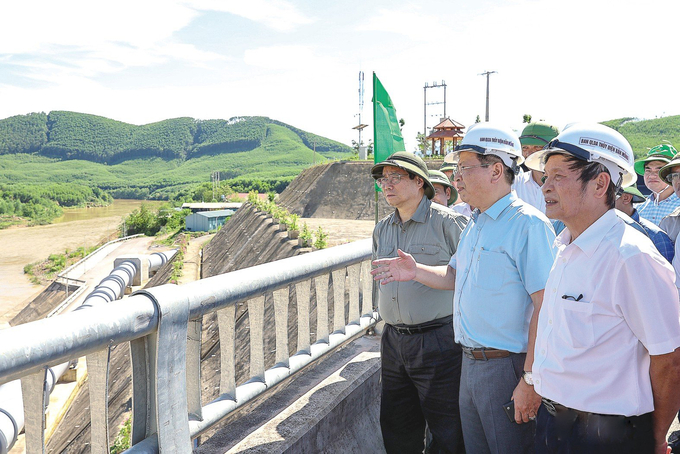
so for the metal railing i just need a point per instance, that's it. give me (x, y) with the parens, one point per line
(163, 326)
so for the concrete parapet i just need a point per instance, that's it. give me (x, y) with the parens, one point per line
(330, 407)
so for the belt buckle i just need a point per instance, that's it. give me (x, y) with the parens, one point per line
(550, 407)
(408, 330)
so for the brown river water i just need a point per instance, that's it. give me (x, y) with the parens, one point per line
(20, 246)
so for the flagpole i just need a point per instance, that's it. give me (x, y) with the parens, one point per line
(375, 188)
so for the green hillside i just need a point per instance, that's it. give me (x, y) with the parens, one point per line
(157, 159)
(644, 134)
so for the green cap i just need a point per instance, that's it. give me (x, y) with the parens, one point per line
(410, 163)
(664, 153)
(437, 177)
(637, 195)
(538, 133)
(666, 170)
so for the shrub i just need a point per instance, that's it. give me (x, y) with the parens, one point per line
(321, 238)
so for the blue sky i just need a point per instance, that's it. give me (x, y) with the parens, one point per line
(298, 60)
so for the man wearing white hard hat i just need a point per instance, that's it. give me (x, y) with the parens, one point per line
(498, 274)
(606, 359)
(420, 363)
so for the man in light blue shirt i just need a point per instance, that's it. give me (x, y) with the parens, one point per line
(498, 274)
(663, 200)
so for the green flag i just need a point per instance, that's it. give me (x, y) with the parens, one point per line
(386, 132)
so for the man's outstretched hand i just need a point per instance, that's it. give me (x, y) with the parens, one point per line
(402, 268)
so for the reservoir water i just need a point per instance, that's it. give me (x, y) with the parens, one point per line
(20, 246)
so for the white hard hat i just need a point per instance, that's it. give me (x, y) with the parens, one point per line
(491, 139)
(592, 142)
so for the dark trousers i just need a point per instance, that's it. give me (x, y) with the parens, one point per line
(587, 433)
(420, 380)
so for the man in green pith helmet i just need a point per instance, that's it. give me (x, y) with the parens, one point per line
(448, 169)
(528, 182)
(625, 203)
(420, 362)
(444, 192)
(663, 200)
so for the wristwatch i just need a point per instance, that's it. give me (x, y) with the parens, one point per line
(528, 379)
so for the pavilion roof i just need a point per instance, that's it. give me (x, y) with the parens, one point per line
(447, 123)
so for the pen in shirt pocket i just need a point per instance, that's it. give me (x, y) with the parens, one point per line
(573, 298)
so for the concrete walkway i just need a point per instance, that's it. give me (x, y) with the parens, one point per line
(192, 259)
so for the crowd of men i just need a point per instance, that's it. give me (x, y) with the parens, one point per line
(529, 295)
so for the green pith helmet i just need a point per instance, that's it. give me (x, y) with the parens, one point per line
(538, 133)
(664, 153)
(410, 163)
(437, 177)
(635, 192)
(666, 170)
(448, 166)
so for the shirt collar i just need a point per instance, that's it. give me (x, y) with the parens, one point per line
(419, 216)
(591, 238)
(501, 204)
(635, 216)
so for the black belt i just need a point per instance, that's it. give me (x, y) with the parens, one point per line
(554, 409)
(485, 354)
(423, 327)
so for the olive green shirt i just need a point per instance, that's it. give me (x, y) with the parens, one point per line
(431, 236)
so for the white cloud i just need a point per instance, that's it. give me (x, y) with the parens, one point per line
(280, 57)
(276, 14)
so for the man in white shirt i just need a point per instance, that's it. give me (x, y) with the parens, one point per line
(606, 357)
(528, 182)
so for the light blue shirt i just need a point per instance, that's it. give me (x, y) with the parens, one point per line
(655, 211)
(504, 255)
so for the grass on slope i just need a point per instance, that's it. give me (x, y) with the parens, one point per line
(644, 134)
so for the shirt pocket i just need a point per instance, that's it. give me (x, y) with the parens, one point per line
(576, 324)
(491, 269)
(428, 254)
(387, 251)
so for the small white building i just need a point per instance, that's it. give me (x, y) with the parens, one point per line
(204, 221)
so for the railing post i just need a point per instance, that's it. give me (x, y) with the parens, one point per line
(168, 376)
(194, 368)
(281, 300)
(33, 390)
(226, 321)
(321, 285)
(353, 273)
(339, 300)
(302, 299)
(367, 288)
(98, 382)
(256, 320)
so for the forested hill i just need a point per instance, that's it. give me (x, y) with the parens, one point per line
(71, 135)
(645, 134)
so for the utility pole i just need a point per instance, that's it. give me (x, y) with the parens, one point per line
(425, 103)
(487, 74)
(360, 145)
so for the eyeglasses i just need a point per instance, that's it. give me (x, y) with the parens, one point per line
(672, 176)
(461, 169)
(392, 179)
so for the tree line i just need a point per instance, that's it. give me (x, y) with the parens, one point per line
(71, 135)
(41, 204)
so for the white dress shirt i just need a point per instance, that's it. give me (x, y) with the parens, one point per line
(462, 208)
(610, 302)
(529, 191)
